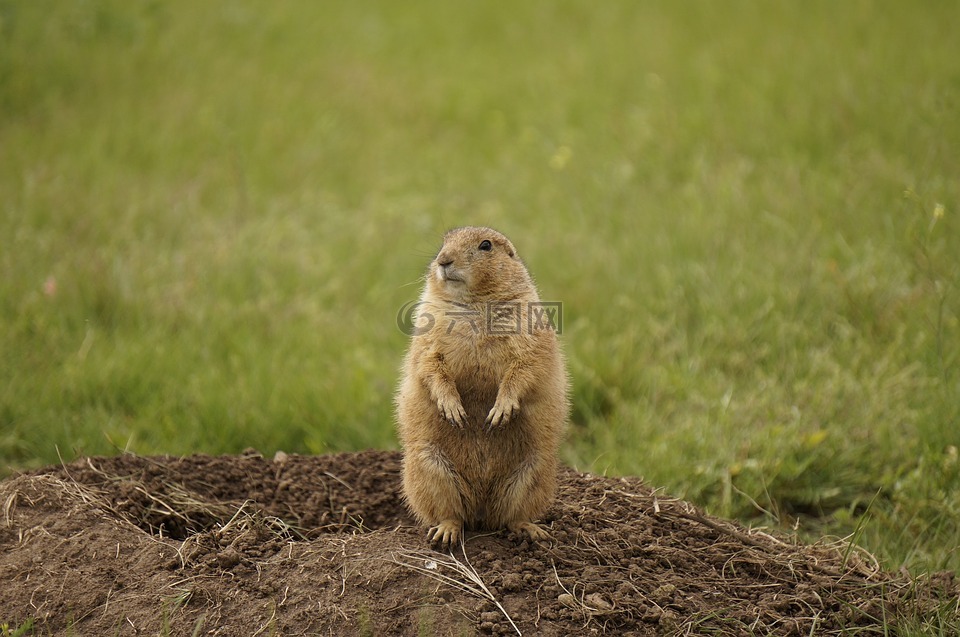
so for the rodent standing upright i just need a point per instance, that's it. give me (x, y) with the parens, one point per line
(482, 405)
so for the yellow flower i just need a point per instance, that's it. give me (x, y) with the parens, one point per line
(814, 438)
(938, 211)
(561, 157)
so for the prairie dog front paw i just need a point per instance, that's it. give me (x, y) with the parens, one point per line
(453, 412)
(503, 410)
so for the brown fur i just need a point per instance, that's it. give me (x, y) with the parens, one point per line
(481, 413)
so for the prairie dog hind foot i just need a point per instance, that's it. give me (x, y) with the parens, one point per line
(533, 531)
(446, 534)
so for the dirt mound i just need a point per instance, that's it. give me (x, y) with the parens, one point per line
(323, 546)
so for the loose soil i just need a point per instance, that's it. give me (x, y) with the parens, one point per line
(300, 545)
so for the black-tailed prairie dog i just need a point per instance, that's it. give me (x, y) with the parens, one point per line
(482, 404)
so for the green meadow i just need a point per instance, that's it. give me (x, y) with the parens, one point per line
(211, 214)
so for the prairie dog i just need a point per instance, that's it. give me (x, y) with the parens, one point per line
(482, 404)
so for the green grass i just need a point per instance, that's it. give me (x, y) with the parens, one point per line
(210, 214)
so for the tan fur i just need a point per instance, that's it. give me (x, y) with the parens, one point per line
(481, 413)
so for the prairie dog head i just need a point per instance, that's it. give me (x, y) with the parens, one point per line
(478, 264)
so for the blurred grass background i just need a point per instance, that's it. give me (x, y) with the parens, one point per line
(212, 212)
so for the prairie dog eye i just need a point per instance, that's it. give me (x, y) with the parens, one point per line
(485, 245)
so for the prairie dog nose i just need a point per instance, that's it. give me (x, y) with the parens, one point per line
(443, 260)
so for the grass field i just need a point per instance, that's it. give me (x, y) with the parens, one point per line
(211, 213)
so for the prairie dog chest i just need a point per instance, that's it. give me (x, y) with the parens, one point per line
(478, 360)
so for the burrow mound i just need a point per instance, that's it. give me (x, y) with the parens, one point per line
(246, 545)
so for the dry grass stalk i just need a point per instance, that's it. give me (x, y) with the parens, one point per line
(430, 563)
